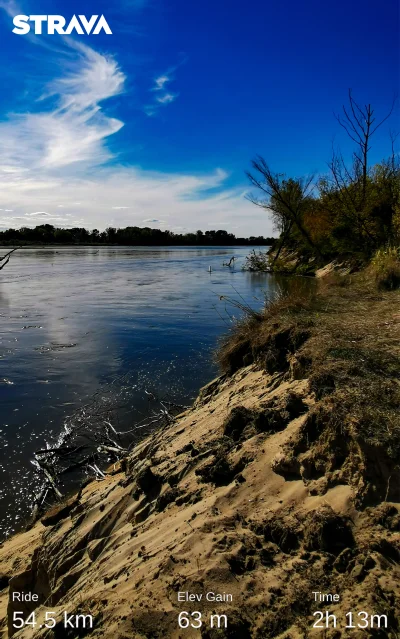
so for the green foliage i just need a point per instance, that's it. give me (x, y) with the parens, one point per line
(360, 226)
(257, 261)
(332, 223)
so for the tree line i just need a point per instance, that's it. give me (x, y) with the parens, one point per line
(353, 210)
(129, 236)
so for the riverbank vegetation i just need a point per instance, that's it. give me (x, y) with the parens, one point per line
(343, 336)
(129, 236)
(281, 480)
(347, 215)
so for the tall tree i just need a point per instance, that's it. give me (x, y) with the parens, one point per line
(351, 186)
(360, 125)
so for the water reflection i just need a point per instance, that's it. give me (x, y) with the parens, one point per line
(74, 319)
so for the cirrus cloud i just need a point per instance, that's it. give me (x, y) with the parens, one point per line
(55, 157)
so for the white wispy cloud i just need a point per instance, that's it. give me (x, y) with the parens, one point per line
(184, 200)
(40, 213)
(76, 129)
(10, 7)
(55, 161)
(93, 78)
(160, 82)
(167, 98)
(164, 96)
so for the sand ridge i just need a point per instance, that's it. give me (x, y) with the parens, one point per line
(195, 511)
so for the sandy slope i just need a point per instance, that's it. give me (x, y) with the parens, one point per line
(194, 511)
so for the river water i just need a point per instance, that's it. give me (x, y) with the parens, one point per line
(78, 323)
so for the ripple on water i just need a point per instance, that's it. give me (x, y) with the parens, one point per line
(75, 322)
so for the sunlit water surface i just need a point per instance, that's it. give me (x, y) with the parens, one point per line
(74, 321)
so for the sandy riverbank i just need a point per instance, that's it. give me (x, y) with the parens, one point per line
(252, 493)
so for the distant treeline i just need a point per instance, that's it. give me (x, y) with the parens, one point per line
(129, 236)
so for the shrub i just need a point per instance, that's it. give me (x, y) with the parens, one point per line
(385, 267)
(257, 261)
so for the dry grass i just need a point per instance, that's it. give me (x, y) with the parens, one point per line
(385, 268)
(339, 309)
(245, 341)
(345, 339)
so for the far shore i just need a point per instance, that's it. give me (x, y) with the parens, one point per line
(209, 246)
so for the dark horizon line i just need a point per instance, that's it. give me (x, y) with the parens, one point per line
(105, 245)
(47, 234)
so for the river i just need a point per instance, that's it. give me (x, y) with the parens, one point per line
(84, 322)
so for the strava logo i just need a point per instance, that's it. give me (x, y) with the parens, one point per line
(56, 24)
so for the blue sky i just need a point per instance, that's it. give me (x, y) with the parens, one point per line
(156, 124)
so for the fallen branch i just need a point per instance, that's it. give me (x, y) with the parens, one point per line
(112, 449)
(38, 504)
(231, 261)
(90, 439)
(49, 476)
(98, 473)
(6, 257)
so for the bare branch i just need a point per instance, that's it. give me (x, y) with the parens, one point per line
(386, 117)
(6, 257)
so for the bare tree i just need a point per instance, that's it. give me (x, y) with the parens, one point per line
(285, 198)
(359, 124)
(349, 185)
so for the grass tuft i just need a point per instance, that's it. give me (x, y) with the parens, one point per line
(345, 340)
(385, 267)
(254, 334)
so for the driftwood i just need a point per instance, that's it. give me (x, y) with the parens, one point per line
(90, 442)
(38, 505)
(231, 261)
(6, 257)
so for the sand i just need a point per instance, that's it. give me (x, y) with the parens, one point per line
(193, 512)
